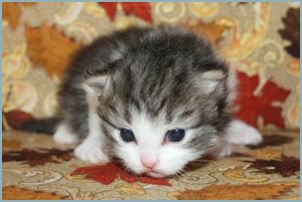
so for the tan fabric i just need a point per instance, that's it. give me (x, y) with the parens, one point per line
(228, 178)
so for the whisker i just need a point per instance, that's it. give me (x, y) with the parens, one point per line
(178, 173)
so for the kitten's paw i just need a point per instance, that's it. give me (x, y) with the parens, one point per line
(64, 136)
(91, 151)
(241, 133)
(225, 151)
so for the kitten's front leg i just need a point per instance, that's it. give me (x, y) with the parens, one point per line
(239, 133)
(92, 148)
(63, 135)
(89, 150)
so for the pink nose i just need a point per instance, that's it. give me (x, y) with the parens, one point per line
(149, 164)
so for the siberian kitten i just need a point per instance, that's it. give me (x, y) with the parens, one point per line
(156, 98)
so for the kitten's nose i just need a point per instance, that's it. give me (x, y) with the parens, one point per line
(149, 163)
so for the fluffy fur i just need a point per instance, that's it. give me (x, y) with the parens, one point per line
(149, 80)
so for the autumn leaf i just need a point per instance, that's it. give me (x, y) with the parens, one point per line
(286, 166)
(50, 48)
(211, 31)
(110, 8)
(11, 13)
(10, 144)
(139, 9)
(291, 31)
(272, 140)
(106, 174)
(17, 193)
(252, 106)
(103, 174)
(237, 192)
(17, 118)
(38, 156)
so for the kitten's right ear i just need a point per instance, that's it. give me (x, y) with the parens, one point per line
(98, 83)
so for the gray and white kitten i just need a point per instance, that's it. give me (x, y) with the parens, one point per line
(155, 98)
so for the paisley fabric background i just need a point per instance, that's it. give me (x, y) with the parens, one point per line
(261, 41)
(34, 168)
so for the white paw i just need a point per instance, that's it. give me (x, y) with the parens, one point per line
(225, 151)
(64, 136)
(91, 151)
(243, 134)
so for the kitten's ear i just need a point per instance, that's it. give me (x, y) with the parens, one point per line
(209, 80)
(98, 83)
(101, 83)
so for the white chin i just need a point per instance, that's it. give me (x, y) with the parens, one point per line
(155, 174)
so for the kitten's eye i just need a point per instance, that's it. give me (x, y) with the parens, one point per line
(176, 135)
(127, 135)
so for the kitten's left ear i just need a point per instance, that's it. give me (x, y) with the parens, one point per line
(101, 83)
(209, 80)
(98, 83)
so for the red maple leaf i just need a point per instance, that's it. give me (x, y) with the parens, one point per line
(38, 156)
(110, 8)
(16, 118)
(286, 166)
(253, 106)
(106, 174)
(139, 9)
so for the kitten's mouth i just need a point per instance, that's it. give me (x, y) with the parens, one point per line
(155, 174)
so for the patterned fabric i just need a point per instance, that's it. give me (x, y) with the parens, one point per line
(34, 168)
(259, 40)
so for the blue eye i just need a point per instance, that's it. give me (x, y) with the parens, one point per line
(127, 135)
(176, 135)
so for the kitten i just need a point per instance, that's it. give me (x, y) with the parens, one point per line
(155, 98)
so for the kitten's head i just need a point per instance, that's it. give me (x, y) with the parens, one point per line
(163, 103)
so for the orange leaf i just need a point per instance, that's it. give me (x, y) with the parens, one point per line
(10, 144)
(17, 193)
(50, 48)
(11, 12)
(211, 31)
(237, 192)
